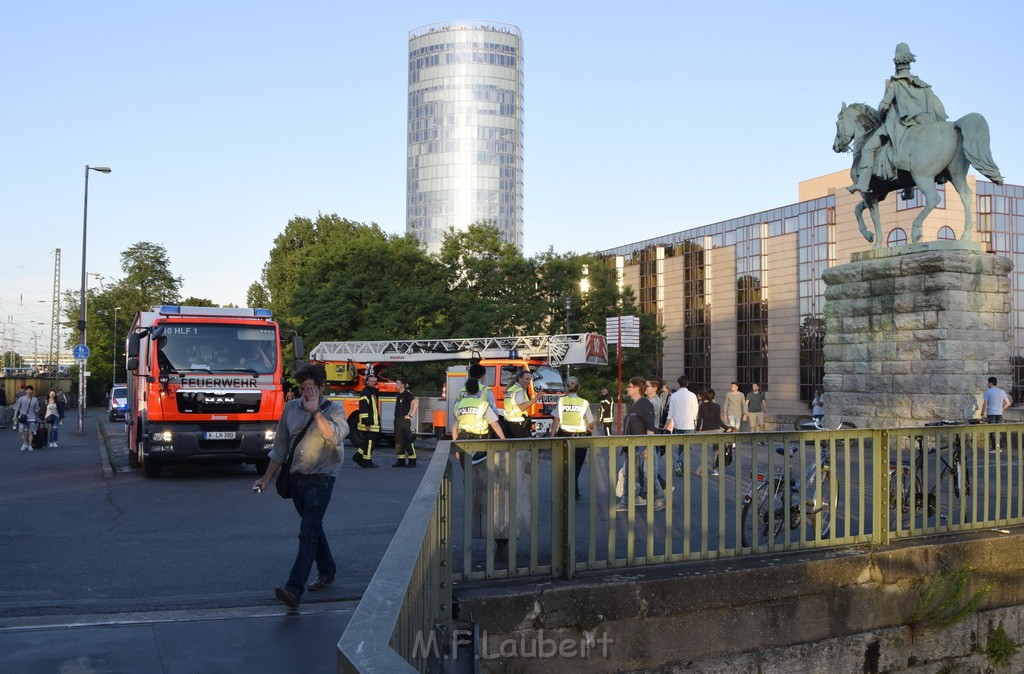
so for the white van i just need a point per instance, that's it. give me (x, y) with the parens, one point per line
(118, 402)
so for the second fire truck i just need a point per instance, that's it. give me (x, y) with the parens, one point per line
(348, 362)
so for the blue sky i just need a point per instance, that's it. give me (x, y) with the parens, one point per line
(222, 120)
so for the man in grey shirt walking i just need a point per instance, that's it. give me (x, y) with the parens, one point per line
(316, 426)
(735, 408)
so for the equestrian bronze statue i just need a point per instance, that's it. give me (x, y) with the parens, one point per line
(908, 143)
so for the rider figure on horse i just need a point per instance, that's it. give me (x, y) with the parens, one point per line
(908, 101)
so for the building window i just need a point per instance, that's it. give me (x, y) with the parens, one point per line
(897, 237)
(812, 355)
(946, 234)
(918, 200)
(696, 316)
(751, 331)
(817, 252)
(752, 303)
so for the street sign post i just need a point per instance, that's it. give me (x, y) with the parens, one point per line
(622, 331)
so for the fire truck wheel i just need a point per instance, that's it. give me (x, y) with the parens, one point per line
(150, 467)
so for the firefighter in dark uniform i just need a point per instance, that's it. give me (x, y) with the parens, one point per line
(517, 405)
(574, 419)
(369, 422)
(406, 406)
(607, 411)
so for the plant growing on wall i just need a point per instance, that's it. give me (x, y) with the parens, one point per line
(945, 599)
(1000, 648)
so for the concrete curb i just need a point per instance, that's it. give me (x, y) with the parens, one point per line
(108, 471)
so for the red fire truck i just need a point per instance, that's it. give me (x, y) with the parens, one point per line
(204, 385)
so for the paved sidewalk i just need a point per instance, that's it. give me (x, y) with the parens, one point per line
(235, 641)
(244, 638)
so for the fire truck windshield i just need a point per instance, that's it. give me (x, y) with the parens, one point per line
(217, 348)
(547, 379)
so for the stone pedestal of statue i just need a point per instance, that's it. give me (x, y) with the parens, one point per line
(913, 333)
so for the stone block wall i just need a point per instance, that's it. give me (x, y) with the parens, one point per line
(913, 333)
(842, 610)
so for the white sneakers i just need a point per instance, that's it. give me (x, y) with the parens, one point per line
(25, 446)
(52, 444)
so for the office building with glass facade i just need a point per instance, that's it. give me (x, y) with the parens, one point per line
(465, 130)
(742, 300)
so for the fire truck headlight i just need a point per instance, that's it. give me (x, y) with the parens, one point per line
(268, 436)
(162, 436)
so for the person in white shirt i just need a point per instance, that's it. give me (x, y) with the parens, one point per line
(682, 415)
(27, 406)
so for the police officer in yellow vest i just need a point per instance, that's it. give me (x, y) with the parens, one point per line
(517, 405)
(475, 418)
(369, 422)
(573, 418)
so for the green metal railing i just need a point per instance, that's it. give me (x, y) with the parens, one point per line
(404, 619)
(783, 491)
(516, 512)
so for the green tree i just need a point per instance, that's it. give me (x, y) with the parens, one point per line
(293, 248)
(330, 278)
(257, 297)
(198, 302)
(493, 287)
(147, 282)
(12, 359)
(603, 299)
(335, 279)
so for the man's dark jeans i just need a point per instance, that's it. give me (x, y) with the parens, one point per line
(310, 495)
(676, 431)
(993, 441)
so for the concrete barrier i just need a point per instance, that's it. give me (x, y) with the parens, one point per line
(838, 610)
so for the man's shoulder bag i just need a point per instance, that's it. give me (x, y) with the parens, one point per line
(283, 484)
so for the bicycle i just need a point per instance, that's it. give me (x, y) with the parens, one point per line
(779, 501)
(806, 423)
(903, 490)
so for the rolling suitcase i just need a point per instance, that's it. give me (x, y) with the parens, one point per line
(39, 437)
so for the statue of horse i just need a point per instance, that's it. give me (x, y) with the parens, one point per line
(931, 153)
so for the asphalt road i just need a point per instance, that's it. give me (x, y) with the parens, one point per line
(76, 539)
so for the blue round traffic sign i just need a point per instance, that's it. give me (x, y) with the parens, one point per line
(80, 352)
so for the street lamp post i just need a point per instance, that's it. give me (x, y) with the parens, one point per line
(113, 364)
(81, 299)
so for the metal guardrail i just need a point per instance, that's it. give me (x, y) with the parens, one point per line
(405, 617)
(783, 491)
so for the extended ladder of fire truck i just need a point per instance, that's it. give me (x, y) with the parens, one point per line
(583, 348)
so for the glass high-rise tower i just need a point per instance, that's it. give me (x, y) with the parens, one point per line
(465, 130)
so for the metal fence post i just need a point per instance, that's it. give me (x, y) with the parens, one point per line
(880, 532)
(557, 508)
(569, 508)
